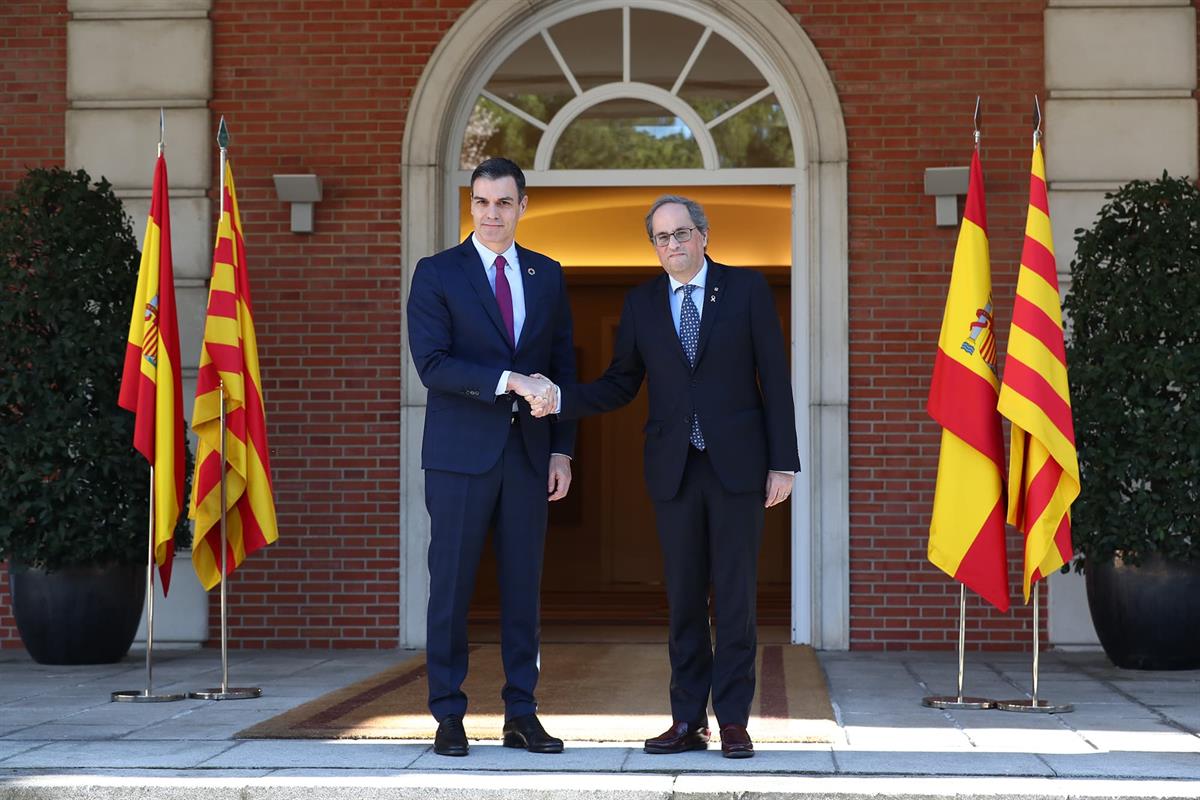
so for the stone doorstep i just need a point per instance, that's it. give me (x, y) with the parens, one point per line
(577, 786)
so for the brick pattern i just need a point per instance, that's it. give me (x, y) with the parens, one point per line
(33, 86)
(33, 96)
(323, 86)
(933, 58)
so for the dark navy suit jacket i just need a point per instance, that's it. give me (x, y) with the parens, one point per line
(740, 386)
(458, 344)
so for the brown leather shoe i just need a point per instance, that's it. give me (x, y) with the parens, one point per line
(735, 742)
(679, 738)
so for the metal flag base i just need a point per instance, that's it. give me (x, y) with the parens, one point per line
(1034, 706)
(224, 691)
(143, 696)
(246, 693)
(958, 703)
(146, 695)
(1031, 704)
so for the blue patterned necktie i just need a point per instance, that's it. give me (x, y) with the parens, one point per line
(689, 336)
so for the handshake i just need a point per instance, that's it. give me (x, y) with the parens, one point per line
(538, 390)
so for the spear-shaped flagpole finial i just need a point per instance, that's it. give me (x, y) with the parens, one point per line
(978, 119)
(162, 129)
(1037, 121)
(223, 143)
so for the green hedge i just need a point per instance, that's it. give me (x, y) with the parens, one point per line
(1134, 364)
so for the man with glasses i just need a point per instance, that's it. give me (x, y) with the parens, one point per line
(720, 448)
(481, 317)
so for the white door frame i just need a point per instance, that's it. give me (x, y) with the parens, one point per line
(770, 37)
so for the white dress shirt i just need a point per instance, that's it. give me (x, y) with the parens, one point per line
(697, 296)
(512, 271)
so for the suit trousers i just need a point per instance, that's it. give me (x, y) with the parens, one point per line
(711, 536)
(510, 499)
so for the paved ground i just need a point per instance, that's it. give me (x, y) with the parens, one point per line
(1132, 734)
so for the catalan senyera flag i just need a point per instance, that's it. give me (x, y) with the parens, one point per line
(229, 354)
(966, 530)
(1043, 473)
(150, 379)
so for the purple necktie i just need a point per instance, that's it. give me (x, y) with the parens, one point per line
(504, 298)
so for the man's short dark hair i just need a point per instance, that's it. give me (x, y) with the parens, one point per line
(496, 168)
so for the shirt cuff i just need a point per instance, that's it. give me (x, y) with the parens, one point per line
(783, 472)
(502, 386)
(564, 455)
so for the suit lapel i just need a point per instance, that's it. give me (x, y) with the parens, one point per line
(477, 278)
(533, 282)
(713, 288)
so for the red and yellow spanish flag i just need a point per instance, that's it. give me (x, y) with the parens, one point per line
(150, 379)
(966, 531)
(1043, 474)
(229, 354)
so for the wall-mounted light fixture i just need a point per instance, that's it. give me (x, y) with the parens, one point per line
(301, 191)
(946, 184)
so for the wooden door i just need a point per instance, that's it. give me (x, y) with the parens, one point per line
(603, 563)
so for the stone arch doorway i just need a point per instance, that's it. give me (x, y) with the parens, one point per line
(540, 98)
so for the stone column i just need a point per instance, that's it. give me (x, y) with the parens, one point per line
(1120, 80)
(126, 59)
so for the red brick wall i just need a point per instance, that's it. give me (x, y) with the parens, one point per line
(33, 86)
(33, 100)
(329, 320)
(907, 75)
(323, 86)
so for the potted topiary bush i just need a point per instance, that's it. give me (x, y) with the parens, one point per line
(73, 492)
(1134, 364)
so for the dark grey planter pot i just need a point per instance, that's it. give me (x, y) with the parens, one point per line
(1148, 616)
(77, 615)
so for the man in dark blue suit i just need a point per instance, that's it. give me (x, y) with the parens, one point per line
(482, 317)
(720, 447)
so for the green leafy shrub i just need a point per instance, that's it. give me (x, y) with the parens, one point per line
(1134, 365)
(73, 491)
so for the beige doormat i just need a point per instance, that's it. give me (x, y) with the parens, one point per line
(600, 692)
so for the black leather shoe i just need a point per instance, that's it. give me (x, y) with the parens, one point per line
(679, 738)
(451, 738)
(527, 733)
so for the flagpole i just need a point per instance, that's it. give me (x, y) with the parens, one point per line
(224, 692)
(148, 696)
(958, 702)
(224, 536)
(1032, 704)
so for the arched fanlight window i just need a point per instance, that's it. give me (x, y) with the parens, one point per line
(628, 88)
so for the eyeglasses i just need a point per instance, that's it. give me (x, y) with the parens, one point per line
(681, 235)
